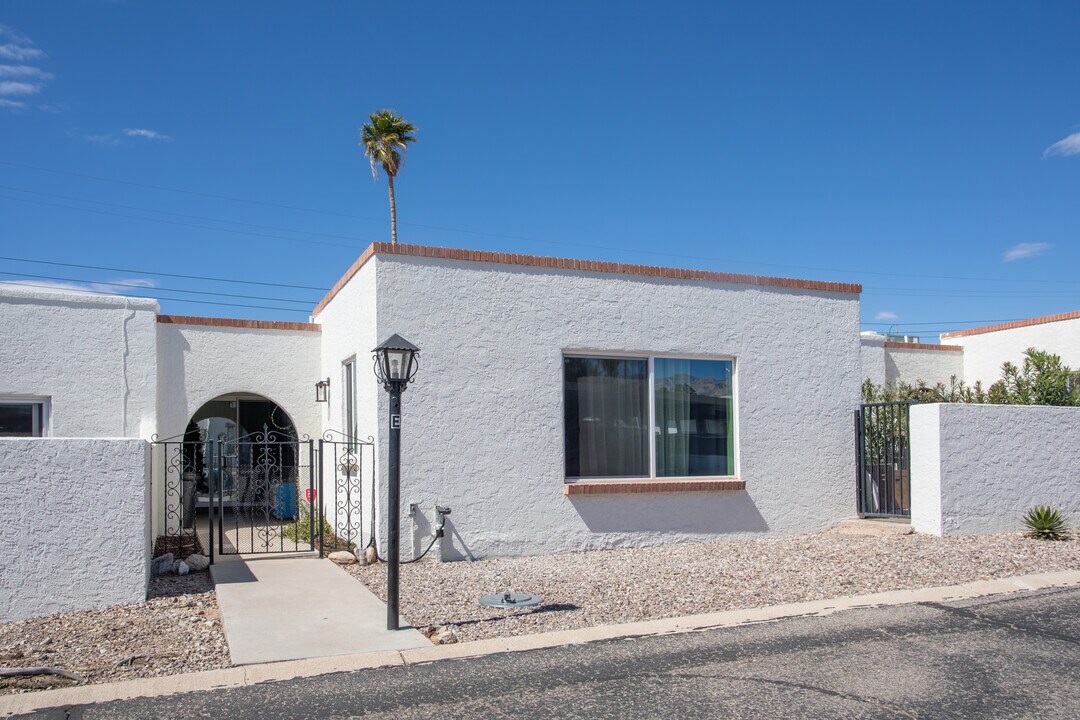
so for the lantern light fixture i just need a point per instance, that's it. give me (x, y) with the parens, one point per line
(322, 390)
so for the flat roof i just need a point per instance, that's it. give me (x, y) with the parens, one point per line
(598, 266)
(1073, 315)
(234, 323)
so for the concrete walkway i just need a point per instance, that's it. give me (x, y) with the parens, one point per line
(294, 607)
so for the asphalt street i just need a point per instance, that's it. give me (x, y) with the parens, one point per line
(1014, 656)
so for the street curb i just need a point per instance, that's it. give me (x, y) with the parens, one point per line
(270, 672)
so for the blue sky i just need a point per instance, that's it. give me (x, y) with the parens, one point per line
(931, 153)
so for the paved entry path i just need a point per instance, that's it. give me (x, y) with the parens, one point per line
(293, 607)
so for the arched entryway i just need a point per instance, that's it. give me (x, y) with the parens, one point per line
(237, 481)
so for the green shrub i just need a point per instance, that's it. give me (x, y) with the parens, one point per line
(1045, 523)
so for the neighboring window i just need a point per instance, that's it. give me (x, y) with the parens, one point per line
(20, 418)
(348, 373)
(610, 404)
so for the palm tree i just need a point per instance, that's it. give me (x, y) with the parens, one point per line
(382, 139)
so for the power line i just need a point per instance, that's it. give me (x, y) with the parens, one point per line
(178, 224)
(151, 297)
(308, 303)
(162, 274)
(520, 237)
(183, 215)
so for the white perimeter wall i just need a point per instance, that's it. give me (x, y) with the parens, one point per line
(93, 357)
(872, 353)
(483, 423)
(928, 366)
(349, 332)
(74, 524)
(977, 469)
(984, 354)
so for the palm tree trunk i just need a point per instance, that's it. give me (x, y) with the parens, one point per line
(393, 211)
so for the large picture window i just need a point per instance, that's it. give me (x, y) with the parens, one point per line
(639, 417)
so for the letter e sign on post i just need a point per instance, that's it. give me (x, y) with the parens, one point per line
(395, 422)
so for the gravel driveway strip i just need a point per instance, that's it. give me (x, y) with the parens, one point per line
(177, 630)
(601, 587)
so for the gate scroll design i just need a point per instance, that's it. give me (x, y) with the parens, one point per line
(883, 460)
(346, 464)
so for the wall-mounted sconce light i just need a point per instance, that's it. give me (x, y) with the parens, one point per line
(322, 390)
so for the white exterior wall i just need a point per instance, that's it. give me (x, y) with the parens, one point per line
(349, 332)
(872, 352)
(928, 366)
(977, 469)
(93, 357)
(985, 353)
(74, 524)
(483, 423)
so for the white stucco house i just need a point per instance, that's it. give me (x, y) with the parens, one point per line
(559, 405)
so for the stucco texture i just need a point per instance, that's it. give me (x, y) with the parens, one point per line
(93, 358)
(922, 366)
(482, 425)
(984, 354)
(74, 524)
(978, 468)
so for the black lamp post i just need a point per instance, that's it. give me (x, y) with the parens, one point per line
(395, 367)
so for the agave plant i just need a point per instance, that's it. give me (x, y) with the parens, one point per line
(1045, 523)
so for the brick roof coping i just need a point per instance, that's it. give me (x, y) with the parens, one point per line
(231, 323)
(922, 346)
(499, 258)
(1073, 315)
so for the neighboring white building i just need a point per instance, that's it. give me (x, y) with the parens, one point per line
(986, 349)
(886, 362)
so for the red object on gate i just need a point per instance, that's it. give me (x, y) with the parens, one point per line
(310, 494)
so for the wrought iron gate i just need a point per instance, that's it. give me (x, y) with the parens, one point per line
(883, 460)
(346, 464)
(251, 495)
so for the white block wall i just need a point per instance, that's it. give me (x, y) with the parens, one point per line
(913, 366)
(977, 469)
(93, 357)
(872, 354)
(74, 524)
(985, 353)
(483, 423)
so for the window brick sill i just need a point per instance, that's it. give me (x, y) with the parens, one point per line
(619, 487)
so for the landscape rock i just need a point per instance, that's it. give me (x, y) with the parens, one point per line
(342, 557)
(371, 555)
(182, 568)
(162, 564)
(447, 636)
(197, 563)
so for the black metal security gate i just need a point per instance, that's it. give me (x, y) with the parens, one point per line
(345, 463)
(883, 460)
(251, 495)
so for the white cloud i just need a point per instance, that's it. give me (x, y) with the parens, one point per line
(144, 133)
(19, 88)
(11, 51)
(1065, 147)
(24, 71)
(12, 104)
(101, 139)
(93, 288)
(1025, 250)
(886, 315)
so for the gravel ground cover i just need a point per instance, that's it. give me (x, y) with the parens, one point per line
(601, 587)
(177, 630)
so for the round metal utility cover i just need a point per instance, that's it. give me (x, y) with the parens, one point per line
(511, 600)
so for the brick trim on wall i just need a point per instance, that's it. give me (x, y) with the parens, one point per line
(231, 323)
(922, 346)
(618, 487)
(383, 248)
(1073, 315)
